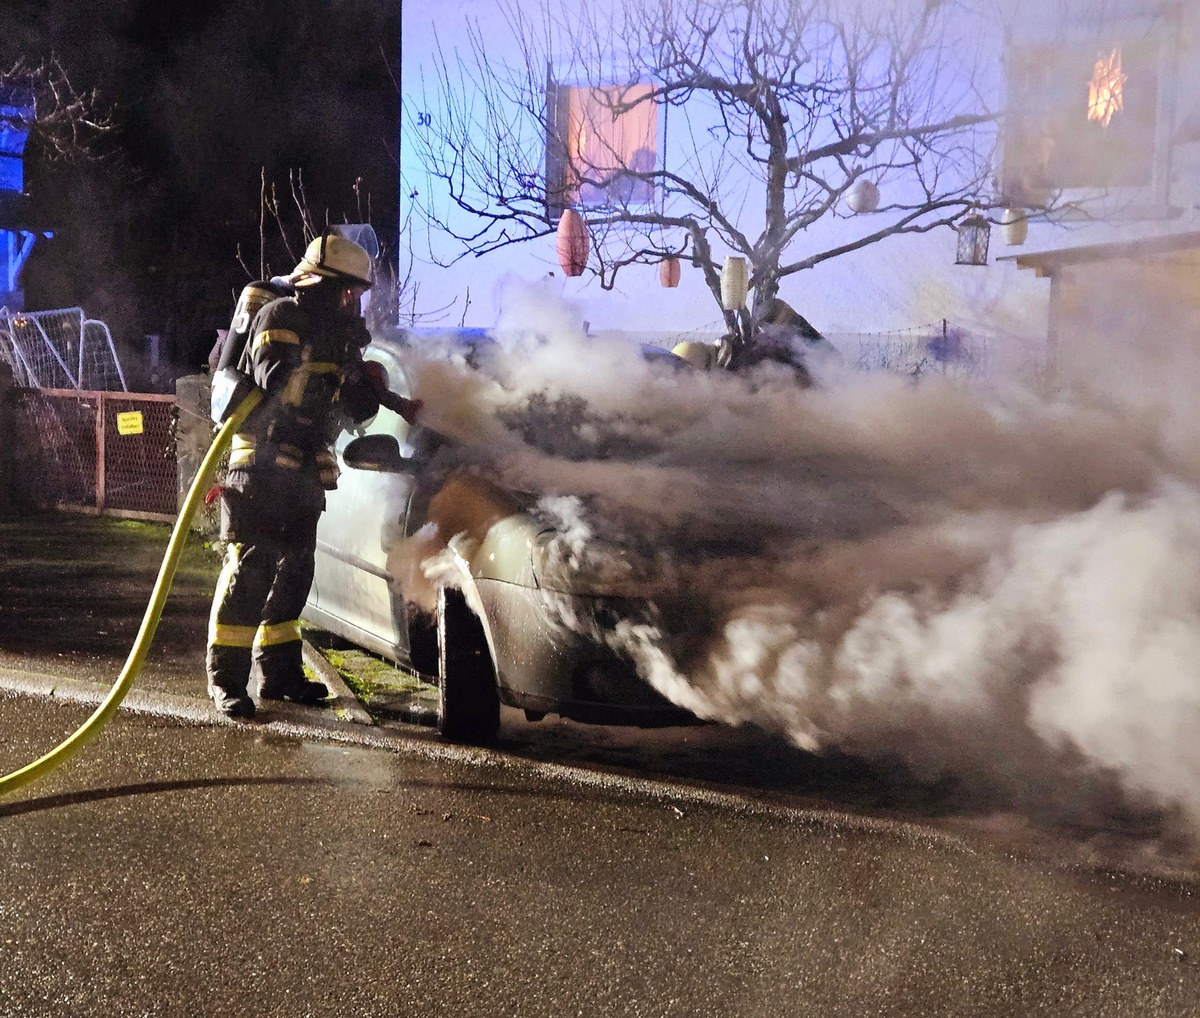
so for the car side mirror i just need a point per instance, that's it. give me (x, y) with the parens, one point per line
(375, 452)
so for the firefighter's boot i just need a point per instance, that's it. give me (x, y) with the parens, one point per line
(228, 677)
(281, 670)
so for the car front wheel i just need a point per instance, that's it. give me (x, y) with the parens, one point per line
(468, 701)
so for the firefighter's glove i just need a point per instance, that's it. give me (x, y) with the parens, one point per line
(412, 410)
(374, 376)
(359, 393)
(406, 408)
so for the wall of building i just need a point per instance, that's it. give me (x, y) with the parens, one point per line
(1130, 328)
(904, 282)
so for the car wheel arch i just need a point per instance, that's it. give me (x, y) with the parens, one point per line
(462, 583)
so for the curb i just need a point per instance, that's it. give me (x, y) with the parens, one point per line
(282, 716)
(345, 703)
(196, 709)
(188, 708)
(295, 720)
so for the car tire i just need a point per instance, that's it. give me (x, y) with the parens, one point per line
(422, 641)
(468, 700)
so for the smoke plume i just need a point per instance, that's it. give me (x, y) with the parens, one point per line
(977, 582)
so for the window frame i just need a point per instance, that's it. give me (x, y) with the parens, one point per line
(557, 159)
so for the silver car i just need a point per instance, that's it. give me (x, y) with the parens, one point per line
(509, 624)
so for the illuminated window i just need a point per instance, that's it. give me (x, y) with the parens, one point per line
(602, 148)
(1106, 90)
(1080, 117)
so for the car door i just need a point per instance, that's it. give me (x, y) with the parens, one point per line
(364, 519)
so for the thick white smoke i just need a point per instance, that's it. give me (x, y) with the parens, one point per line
(983, 584)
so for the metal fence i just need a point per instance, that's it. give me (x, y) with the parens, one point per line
(60, 350)
(945, 350)
(103, 451)
(935, 349)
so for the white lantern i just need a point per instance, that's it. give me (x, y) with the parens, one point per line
(734, 283)
(862, 196)
(1014, 226)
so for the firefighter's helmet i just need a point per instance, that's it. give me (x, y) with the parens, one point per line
(331, 256)
(700, 355)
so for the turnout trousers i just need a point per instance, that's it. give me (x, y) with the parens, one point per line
(254, 627)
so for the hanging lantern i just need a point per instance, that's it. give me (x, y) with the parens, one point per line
(973, 233)
(862, 196)
(668, 272)
(572, 243)
(734, 283)
(1014, 226)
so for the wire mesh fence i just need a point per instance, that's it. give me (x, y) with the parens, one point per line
(935, 349)
(102, 451)
(944, 350)
(60, 349)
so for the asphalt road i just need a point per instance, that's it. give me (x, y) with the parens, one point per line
(185, 869)
(311, 865)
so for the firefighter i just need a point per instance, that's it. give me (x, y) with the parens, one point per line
(305, 352)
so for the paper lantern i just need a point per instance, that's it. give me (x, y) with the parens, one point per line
(668, 272)
(734, 283)
(1014, 226)
(572, 243)
(863, 196)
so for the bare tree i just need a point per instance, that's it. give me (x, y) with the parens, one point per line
(778, 112)
(64, 122)
(286, 224)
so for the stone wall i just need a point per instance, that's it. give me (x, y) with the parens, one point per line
(194, 435)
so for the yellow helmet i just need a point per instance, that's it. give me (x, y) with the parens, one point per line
(700, 355)
(331, 256)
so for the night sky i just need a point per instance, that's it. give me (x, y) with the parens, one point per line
(207, 97)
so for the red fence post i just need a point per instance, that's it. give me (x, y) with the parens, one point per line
(100, 411)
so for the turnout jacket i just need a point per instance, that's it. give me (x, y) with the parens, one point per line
(308, 360)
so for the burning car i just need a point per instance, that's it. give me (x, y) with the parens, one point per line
(442, 570)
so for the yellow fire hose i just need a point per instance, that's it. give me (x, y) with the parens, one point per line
(158, 599)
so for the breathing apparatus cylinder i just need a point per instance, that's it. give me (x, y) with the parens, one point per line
(158, 599)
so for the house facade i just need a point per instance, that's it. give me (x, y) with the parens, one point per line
(1103, 124)
(1120, 267)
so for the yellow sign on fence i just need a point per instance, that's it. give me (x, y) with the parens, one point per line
(129, 423)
